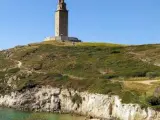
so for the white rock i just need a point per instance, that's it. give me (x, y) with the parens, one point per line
(96, 105)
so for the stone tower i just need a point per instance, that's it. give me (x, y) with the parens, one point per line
(61, 25)
(61, 19)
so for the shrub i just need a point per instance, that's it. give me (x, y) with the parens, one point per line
(152, 74)
(76, 99)
(153, 101)
(136, 73)
(56, 76)
(109, 76)
(37, 66)
(26, 84)
(129, 97)
(13, 70)
(105, 87)
(2, 74)
(115, 51)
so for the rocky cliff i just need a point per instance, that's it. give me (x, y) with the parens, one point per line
(49, 99)
(110, 74)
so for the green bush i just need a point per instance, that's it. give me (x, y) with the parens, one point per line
(109, 76)
(105, 87)
(152, 74)
(76, 99)
(129, 97)
(37, 66)
(26, 84)
(153, 101)
(13, 70)
(116, 51)
(57, 76)
(2, 75)
(139, 74)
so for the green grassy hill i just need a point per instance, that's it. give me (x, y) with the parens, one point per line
(132, 72)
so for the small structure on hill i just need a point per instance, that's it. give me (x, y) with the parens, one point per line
(61, 24)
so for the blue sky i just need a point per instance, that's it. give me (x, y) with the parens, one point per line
(116, 21)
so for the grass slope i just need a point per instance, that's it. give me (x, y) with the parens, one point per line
(95, 67)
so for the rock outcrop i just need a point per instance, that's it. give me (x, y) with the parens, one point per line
(49, 99)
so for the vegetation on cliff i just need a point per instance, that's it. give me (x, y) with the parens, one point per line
(132, 72)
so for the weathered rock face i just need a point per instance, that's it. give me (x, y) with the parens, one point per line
(50, 99)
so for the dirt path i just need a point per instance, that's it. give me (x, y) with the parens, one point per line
(147, 82)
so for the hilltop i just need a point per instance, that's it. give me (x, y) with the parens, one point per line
(132, 72)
